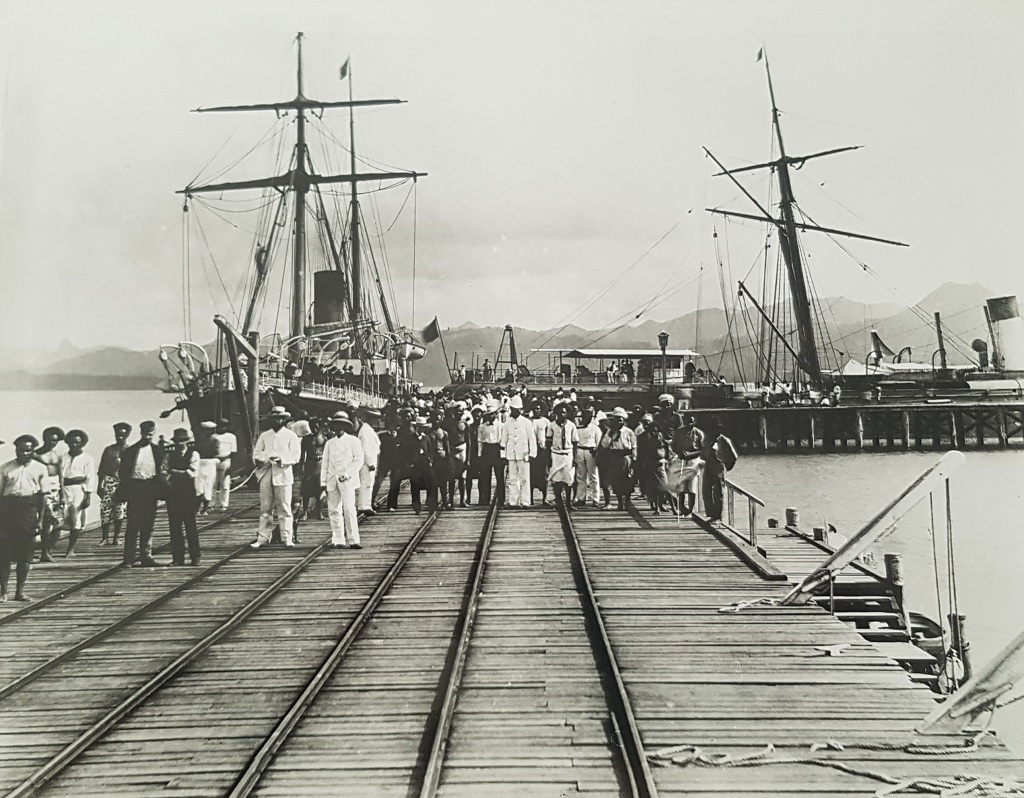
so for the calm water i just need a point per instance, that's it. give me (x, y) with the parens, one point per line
(844, 490)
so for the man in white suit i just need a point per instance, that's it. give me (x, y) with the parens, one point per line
(519, 445)
(339, 475)
(370, 441)
(276, 451)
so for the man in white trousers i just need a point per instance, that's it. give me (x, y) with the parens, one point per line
(227, 445)
(276, 451)
(339, 475)
(519, 445)
(370, 441)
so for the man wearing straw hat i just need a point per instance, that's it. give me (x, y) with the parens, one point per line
(78, 476)
(276, 451)
(339, 475)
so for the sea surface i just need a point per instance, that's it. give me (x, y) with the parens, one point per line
(845, 490)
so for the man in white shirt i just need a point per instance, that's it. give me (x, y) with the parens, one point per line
(276, 451)
(137, 471)
(22, 497)
(370, 442)
(78, 475)
(489, 457)
(561, 442)
(519, 446)
(339, 475)
(588, 436)
(227, 445)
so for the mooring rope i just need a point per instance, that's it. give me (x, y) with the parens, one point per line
(959, 785)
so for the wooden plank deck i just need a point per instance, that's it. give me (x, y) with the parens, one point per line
(531, 717)
(732, 683)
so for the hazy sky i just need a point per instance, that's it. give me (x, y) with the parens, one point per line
(562, 141)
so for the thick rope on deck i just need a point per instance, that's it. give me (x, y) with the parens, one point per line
(960, 785)
(743, 605)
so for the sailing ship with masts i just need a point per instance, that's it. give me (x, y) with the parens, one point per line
(344, 343)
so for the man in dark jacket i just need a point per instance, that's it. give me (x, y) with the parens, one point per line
(138, 472)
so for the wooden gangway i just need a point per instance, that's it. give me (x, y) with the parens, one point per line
(473, 652)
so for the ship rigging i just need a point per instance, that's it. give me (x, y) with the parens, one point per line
(344, 341)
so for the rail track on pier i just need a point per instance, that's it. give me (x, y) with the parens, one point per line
(306, 671)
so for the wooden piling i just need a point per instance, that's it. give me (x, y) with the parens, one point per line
(762, 430)
(905, 415)
(859, 417)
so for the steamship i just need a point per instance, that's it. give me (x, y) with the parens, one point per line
(345, 343)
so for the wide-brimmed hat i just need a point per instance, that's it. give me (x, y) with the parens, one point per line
(342, 419)
(619, 412)
(302, 428)
(208, 424)
(666, 397)
(279, 411)
(181, 434)
(516, 402)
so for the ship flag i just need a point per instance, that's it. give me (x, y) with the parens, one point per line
(431, 332)
(343, 73)
(760, 54)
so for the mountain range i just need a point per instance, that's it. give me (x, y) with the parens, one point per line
(849, 322)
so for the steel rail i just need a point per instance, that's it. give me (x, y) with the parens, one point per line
(457, 660)
(116, 626)
(98, 730)
(249, 780)
(92, 579)
(638, 770)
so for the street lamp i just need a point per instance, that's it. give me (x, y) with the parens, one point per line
(663, 343)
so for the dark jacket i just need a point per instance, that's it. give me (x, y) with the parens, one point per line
(131, 454)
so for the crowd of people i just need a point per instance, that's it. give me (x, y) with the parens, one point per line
(49, 485)
(567, 447)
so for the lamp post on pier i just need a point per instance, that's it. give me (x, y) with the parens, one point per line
(663, 343)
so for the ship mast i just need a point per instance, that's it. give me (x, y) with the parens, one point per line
(357, 277)
(792, 256)
(301, 186)
(808, 359)
(299, 179)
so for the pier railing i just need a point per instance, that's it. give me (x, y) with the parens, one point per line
(732, 490)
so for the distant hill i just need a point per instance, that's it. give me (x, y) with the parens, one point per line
(118, 368)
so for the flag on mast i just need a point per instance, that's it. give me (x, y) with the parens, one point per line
(431, 332)
(344, 69)
(760, 55)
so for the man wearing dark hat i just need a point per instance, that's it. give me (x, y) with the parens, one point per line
(78, 476)
(22, 497)
(180, 467)
(719, 456)
(138, 470)
(112, 508)
(227, 445)
(339, 475)
(688, 443)
(276, 451)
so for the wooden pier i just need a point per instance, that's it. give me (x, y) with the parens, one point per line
(476, 652)
(874, 427)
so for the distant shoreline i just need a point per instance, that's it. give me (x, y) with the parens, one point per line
(23, 381)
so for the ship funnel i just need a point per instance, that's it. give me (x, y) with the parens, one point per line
(1007, 333)
(328, 297)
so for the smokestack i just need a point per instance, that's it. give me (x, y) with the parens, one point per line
(1007, 333)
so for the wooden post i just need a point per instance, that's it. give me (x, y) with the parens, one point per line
(752, 522)
(793, 517)
(762, 429)
(818, 533)
(860, 429)
(906, 429)
(1001, 420)
(956, 429)
(732, 507)
(813, 430)
(959, 643)
(253, 394)
(894, 576)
